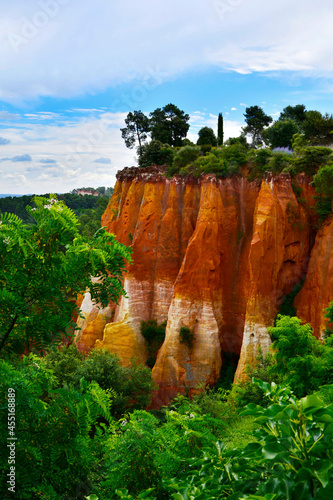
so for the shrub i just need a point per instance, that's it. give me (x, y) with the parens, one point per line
(300, 358)
(185, 156)
(132, 386)
(186, 336)
(323, 182)
(212, 163)
(291, 458)
(154, 334)
(156, 153)
(55, 450)
(311, 159)
(235, 154)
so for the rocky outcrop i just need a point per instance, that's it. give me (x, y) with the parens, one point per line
(317, 291)
(278, 259)
(214, 255)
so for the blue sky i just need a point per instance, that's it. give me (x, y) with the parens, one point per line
(73, 69)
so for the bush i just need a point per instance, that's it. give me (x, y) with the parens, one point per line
(156, 153)
(212, 163)
(154, 334)
(312, 158)
(235, 154)
(56, 451)
(132, 386)
(186, 336)
(291, 458)
(185, 156)
(301, 360)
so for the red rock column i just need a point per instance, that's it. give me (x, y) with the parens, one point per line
(278, 260)
(317, 291)
(197, 304)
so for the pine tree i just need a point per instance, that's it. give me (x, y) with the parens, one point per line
(220, 130)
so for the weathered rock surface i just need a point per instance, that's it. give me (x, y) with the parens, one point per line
(216, 256)
(317, 291)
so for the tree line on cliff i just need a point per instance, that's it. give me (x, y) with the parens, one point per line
(298, 141)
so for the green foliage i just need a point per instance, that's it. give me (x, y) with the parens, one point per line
(256, 120)
(300, 358)
(213, 163)
(132, 387)
(296, 113)
(311, 159)
(287, 307)
(169, 125)
(220, 130)
(206, 136)
(90, 219)
(144, 453)
(280, 134)
(79, 204)
(185, 156)
(42, 269)
(323, 182)
(291, 458)
(318, 128)
(329, 315)
(137, 128)
(235, 155)
(154, 334)
(55, 451)
(186, 336)
(156, 153)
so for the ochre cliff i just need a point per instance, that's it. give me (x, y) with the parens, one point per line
(214, 255)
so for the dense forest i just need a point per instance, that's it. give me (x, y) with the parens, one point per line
(88, 208)
(77, 426)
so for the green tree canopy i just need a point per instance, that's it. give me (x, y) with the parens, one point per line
(206, 136)
(43, 267)
(318, 128)
(256, 120)
(136, 130)
(296, 113)
(169, 125)
(280, 134)
(156, 153)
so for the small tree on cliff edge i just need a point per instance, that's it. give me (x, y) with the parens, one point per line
(136, 130)
(220, 130)
(43, 267)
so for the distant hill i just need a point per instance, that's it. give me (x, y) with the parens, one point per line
(91, 206)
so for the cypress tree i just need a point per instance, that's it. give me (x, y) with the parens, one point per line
(220, 130)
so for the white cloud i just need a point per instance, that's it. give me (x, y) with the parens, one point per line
(144, 42)
(233, 109)
(62, 155)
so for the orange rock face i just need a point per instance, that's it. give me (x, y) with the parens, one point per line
(317, 291)
(214, 255)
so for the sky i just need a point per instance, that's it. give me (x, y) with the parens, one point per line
(73, 69)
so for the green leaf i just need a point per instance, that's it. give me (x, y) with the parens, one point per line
(271, 450)
(325, 493)
(311, 401)
(322, 472)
